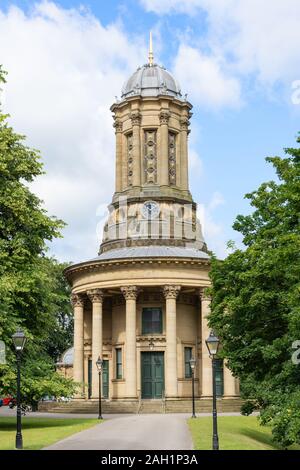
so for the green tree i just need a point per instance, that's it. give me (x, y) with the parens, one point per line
(33, 292)
(256, 294)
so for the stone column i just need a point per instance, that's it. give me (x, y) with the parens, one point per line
(206, 375)
(78, 306)
(171, 293)
(184, 177)
(96, 297)
(164, 147)
(130, 293)
(136, 142)
(229, 383)
(118, 130)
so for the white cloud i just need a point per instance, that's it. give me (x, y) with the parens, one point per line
(206, 80)
(214, 232)
(263, 37)
(64, 70)
(216, 201)
(195, 163)
(162, 7)
(257, 37)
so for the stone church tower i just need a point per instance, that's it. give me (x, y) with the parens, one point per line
(141, 304)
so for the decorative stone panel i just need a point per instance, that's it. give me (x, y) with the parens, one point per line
(129, 160)
(150, 157)
(172, 158)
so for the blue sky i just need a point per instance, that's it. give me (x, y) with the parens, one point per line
(238, 60)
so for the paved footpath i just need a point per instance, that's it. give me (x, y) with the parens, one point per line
(134, 432)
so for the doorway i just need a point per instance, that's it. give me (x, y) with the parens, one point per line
(105, 378)
(152, 374)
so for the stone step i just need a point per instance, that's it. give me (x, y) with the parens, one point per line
(151, 407)
(146, 406)
(82, 406)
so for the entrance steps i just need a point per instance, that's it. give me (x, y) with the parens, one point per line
(151, 406)
(202, 405)
(89, 407)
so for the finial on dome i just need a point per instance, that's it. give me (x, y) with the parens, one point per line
(151, 57)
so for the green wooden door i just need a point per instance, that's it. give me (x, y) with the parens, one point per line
(105, 379)
(89, 378)
(152, 372)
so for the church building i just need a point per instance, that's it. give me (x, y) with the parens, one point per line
(141, 304)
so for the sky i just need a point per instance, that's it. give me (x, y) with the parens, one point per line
(238, 61)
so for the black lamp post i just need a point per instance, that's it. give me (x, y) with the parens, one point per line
(19, 340)
(99, 364)
(212, 344)
(192, 365)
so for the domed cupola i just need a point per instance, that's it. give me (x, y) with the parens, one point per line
(151, 80)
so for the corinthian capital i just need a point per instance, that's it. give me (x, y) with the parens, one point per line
(184, 123)
(95, 295)
(118, 126)
(77, 300)
(164, 117)
(203, 294)
(171, 292)
(135, 117)
(130, 292)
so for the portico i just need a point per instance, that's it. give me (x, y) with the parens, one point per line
(110, 322)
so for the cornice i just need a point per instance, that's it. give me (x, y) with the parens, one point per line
(96, 265)
(139, 98)
(173, 198)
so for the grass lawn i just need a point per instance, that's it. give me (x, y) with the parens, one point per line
(40, 432)
(235, 433)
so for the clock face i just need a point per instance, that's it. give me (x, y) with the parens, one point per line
(150, 210)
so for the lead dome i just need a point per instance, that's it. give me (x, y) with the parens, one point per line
(151, 80)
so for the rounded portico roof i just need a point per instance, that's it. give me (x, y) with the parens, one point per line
(145, 253)
(152, 252)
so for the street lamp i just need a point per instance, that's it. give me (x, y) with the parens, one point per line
(212, 344)
(99, 364)
(151, 344)
(192, 365)
(19, 340)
